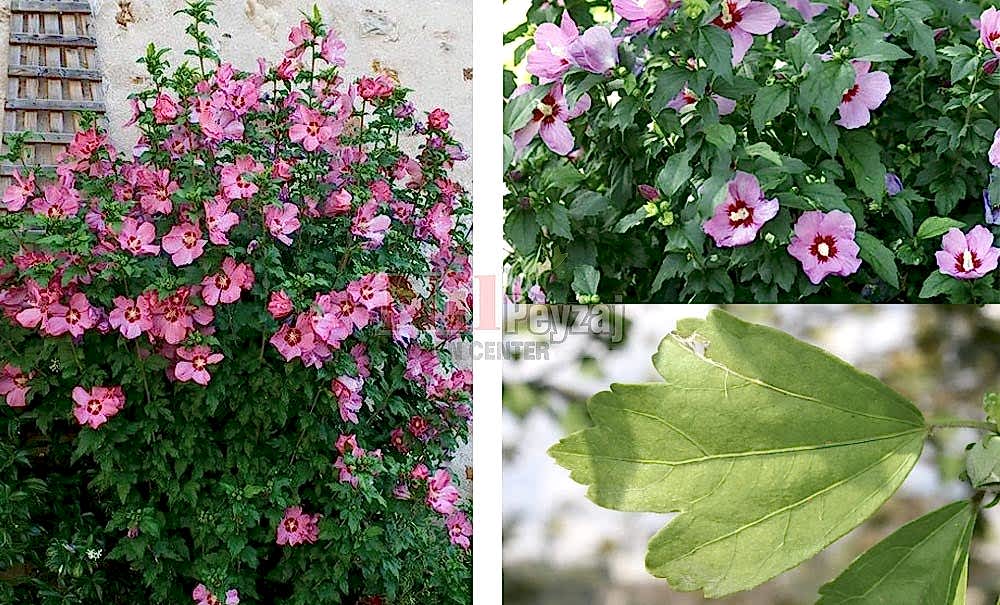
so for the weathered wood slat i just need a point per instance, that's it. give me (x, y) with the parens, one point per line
(52, 40)
(46, 6)
(61, 73)
(8, 169)
(45, 137)
(55, 104)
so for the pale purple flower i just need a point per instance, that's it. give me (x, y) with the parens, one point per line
(744, 18)
(643, 14)
(967, 256)
(550, 58)
(992, 213)
(868, 92)
(736, 221)
(536, 294)
(853, 11)
(595, 51)
(824, 244)
(808, 10)
(549, 120)
(686, 98)
(994, 154)
(892, 184)
(989, 29)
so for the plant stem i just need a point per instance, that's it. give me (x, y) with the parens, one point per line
(955, 423)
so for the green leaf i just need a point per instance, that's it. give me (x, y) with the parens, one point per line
(863, 157)
(982, 463)
(722, 136)
(936, 226)
(578, 83)
(877, 49)
(508, 151)
(881, 259)
(824, 134)
(938, 283)
(923, 562)
(588, 203)
(963, 60)
(555, 218)
(826, 195)
(518, 110)
(763, 150)
(801, 47)
(670, 82)
(630, 220)
(991, 404)
(770, 102)
(918, 34)
(521, 229)
(715, 46)
(823, 89)
(811, 447)
(586, 279)
(675, 172)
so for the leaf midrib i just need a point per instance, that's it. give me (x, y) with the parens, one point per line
(732, 455)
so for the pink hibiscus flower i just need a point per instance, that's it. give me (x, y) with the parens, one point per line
(686, 98)
(550, 57)
(137, 238)
(131, 317)
(311, 128)
(75, 319)
(226, 286)
(282, 222)
(371, 290)
(740, 216)
(297, 527)
(165, 109)
(96, 406)
(219, 220)
(989, 29)
(967, 256)
(643, 14)
(347, 390)
(194, 364)
(14, 385)
(743, 18)
(869, 92)
(18, 194)
(157, 188)
(234, 181)
(441, 494)
(994, 154)
(295, 340)
(595, 51)
(549, 120)
(370, 226)
(459, 529)
(333, 50)
(279, 305)
(824, 244)
(184, 244)
(57, 202)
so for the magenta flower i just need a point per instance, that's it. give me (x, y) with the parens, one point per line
(280, 305)
(295, 340)
(459, 529)
(441, 494)
(643, 14)
(824, 244)
(550, 58)
(297, 527)
(96, 406)
(549, 120)
(372, 291)
(202, 596)
(184, 244)
(18, 194)
(194, 364)
(282, 222)
(333, 50)
(57, 202)
(14, 386)
(967, 256)
(369, 225)
(219, 220)
(686, 98)
(869, 92)
(742, 19)
(595, 51)
(989, 29)
(75, 319)
(165, 109)
(740, 216)
(347, 390)
(311, 128)
(131, 317)
(137, 238)
(234, 178)
(809, 10)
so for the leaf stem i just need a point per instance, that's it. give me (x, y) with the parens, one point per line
(955, 423)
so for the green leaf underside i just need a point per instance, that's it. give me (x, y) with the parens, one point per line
(925, 562)
(769, 447)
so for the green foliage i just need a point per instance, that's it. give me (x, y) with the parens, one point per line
(933, 133)
(765, 444)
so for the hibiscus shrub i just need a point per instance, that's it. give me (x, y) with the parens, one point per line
(751, 150)
(226, 356)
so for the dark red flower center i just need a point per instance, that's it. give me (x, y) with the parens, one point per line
(94, 407)
(967, 261)
(851, 93)
(291, 525)
(546, 111)
(730, 17)
(293, 337)
(824, 247)
(740, 215)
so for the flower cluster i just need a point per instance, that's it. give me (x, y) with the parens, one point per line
(282, 258)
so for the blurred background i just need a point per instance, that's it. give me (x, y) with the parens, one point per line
(560, 548)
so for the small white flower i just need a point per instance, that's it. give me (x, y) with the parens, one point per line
(94, 553)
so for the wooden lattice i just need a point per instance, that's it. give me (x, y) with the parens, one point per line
(53, 74)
